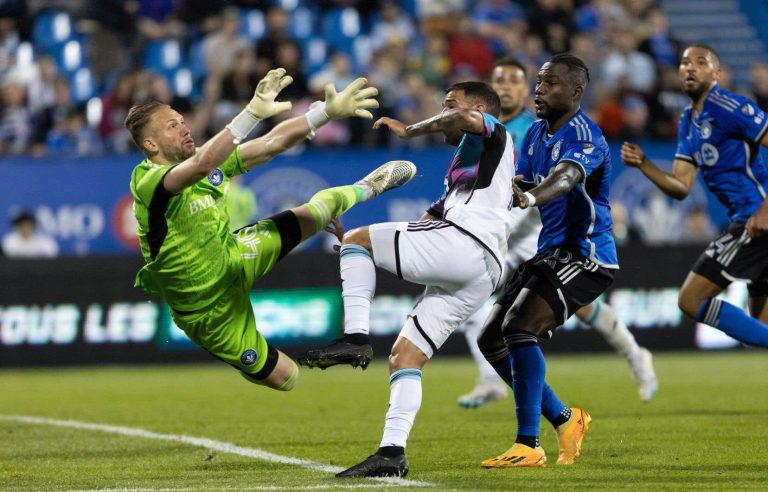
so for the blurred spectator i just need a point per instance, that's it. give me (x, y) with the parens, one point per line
(667, 104)
(469, 51)
(40, 91)
(222, 46)
(758, 76)
(625, 68)
(9, 42)
(659, 43)
(277, 33)
(499, 21)
(25, 241)
(635, 118)
(551, 21)
(394, 23)
(416, 101)
(623, 232)
(338, 70)
(114, 109)
(288, 56)
(158, 19)
(52, 115)
(584, 46)
(439, 18)
(72, 137)
(434, 63)
(236, 87)
(15, 120)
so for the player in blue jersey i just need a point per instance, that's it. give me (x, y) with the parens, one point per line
(719, 135)
(509, 81)
(565, 167)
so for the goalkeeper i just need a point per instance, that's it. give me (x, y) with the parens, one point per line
(203, 271)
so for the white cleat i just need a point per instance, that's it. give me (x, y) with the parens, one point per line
(485, 391)
(392, 174)
(645, 376)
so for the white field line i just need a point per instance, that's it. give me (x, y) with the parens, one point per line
(244, 489)
(222, 447)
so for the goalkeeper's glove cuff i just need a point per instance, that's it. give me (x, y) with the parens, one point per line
(241, 125)
(316, 117)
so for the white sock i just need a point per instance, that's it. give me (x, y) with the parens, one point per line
(604, 321)
(404, 403)
(358, 283)
(472, 328)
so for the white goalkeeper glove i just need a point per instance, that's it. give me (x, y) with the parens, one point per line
(262, 105)
(354, 100)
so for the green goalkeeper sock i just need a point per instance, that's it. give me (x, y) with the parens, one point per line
(333, 202)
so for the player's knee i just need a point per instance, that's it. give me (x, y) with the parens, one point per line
(404, 356)
(689, 303)
(358, 236)
(518, 322)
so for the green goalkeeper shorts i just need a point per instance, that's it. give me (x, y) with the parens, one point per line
(227, 328)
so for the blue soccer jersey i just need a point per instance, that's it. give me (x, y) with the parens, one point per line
(722, 141)
(581, 219)
(518, 126)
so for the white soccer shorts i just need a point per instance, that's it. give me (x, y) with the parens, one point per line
(458, 273)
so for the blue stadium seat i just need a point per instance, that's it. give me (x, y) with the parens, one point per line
(163, 55)
(69, 56)
(82, 85)
(303, 23)
(252, 24)
(183, 84)
(197, 60)
(340, 28)
(362, 52)
(51, 29)
(314, 55)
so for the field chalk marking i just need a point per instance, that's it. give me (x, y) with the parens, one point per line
(223, 447)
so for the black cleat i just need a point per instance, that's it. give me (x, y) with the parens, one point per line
(340, 351)
(377, 466)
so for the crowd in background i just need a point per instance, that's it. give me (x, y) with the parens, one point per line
(410, 50)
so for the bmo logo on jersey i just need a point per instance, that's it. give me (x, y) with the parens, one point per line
(199, 204)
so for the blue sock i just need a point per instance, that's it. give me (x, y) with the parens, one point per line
(733, 322)
(501, 363)
(552, 408)
(528, 383)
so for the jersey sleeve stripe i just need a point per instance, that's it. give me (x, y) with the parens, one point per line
(762, 133)
(684, 157)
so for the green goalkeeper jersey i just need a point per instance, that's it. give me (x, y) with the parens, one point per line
(191, 258)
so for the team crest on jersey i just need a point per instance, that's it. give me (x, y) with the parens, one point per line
(748, 110)
(588, 148)
(556, 150)
(706, 129)
(216, 177)
(249, 357)
(709, 154)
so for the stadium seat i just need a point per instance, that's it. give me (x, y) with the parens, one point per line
(82, 85)
(163, 55)
(315, 55)
(252, 24)
(182, 83)
(51, 29)
(303, 22)
(69, 56)
(340, 28)
(362, 53)
(196, 60)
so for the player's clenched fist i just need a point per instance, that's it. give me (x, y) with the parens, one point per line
(263, 104)
(632, 154)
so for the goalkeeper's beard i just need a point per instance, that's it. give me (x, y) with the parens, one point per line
(180, 153)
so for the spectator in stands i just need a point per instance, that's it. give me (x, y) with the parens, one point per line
(288, 56)
(635, 118)
(758, 76)
(439, 18)
(666, 104)
(625, 68)
(52, 115)
(468, 50)
(498, 21)
(337, 70)
(25, 241)
(434, 64)
(15, 120)
(394, 23)
(40, 91)
(659, 44)
(114, 109)
(158, 19)
(222, 46)
(72, 137)
(9, 43)
(552, 21)
(277, 33)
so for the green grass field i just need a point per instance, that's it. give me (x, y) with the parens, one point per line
(706, 429)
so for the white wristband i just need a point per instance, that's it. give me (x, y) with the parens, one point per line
(316, 117)
(531, 199)
(241, 125)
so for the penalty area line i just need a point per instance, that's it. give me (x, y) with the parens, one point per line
(202, 442)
